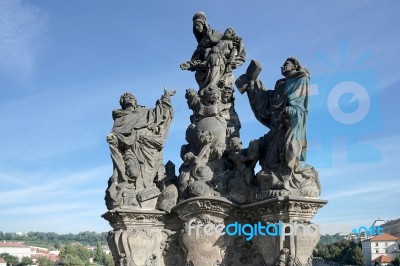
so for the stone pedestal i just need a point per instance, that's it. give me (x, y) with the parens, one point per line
(292, 217)
(144, 237)
(194, 233)
(204, 218)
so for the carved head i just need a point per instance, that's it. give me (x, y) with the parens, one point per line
(235, 144)
(190, 94)
(204, 137)
(229, 33)
(212, 95)
(227, 95)
(291, 65)
(200, 25)
(199, 22)
(199, 17)
(189, 158)
(127, 100)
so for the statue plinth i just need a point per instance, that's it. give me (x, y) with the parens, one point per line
(189, 233)
(288, 214)
(143, 237)
(285, 209)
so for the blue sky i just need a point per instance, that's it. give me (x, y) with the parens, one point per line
(64, 64)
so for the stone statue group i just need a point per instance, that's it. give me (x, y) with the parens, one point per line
(150, 206)
(215, 163)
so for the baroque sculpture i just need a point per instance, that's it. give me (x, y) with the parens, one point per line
(152, 210)
(284, 110)
(207, 166)
(136, 141)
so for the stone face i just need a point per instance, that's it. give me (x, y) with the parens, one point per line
(159, 218)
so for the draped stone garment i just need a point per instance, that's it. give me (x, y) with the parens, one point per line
(141, 134)
(284, 146)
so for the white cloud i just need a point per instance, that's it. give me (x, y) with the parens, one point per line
(22, 26)
(366, 189)
(56, 186)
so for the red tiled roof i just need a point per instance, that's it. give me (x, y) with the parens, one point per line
(383, 259)
(52, 257)
(384, 237)
(12, 245)
(2, 260)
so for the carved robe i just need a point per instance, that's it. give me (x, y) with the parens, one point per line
(285, 145)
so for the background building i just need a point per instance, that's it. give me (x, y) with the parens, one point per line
(392, 227)
(380, 247)
(15, 249)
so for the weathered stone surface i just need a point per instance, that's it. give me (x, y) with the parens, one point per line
(169, 242)
(144, 237)
(136, 141)
(207, 166)
(284, 110)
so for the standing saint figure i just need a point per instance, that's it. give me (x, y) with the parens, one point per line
(136, 141)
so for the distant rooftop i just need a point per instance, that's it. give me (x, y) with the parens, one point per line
(392, 222)
(12, 244)
(383, 259)
(384, 237)
(378, 222)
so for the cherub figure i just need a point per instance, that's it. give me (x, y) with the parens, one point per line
(244, 159)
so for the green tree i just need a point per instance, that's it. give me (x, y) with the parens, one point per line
(108, 261)
(99, 255)
(25, 261)
(71, 260)
(73, 252)
(11, 260)
(354, 256)
(334, 253)
(396, 261)
(44, 261)
(321, 251)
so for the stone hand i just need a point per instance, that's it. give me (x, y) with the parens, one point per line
(169, 93)
(112, 139)
(184, 66)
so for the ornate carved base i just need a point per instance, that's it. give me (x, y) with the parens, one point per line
(144, 237)
(201, 236)
(272, 232)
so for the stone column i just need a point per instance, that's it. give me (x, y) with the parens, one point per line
(296, 237)
(203, 218)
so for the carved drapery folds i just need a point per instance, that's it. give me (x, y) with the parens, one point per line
(136, 142)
